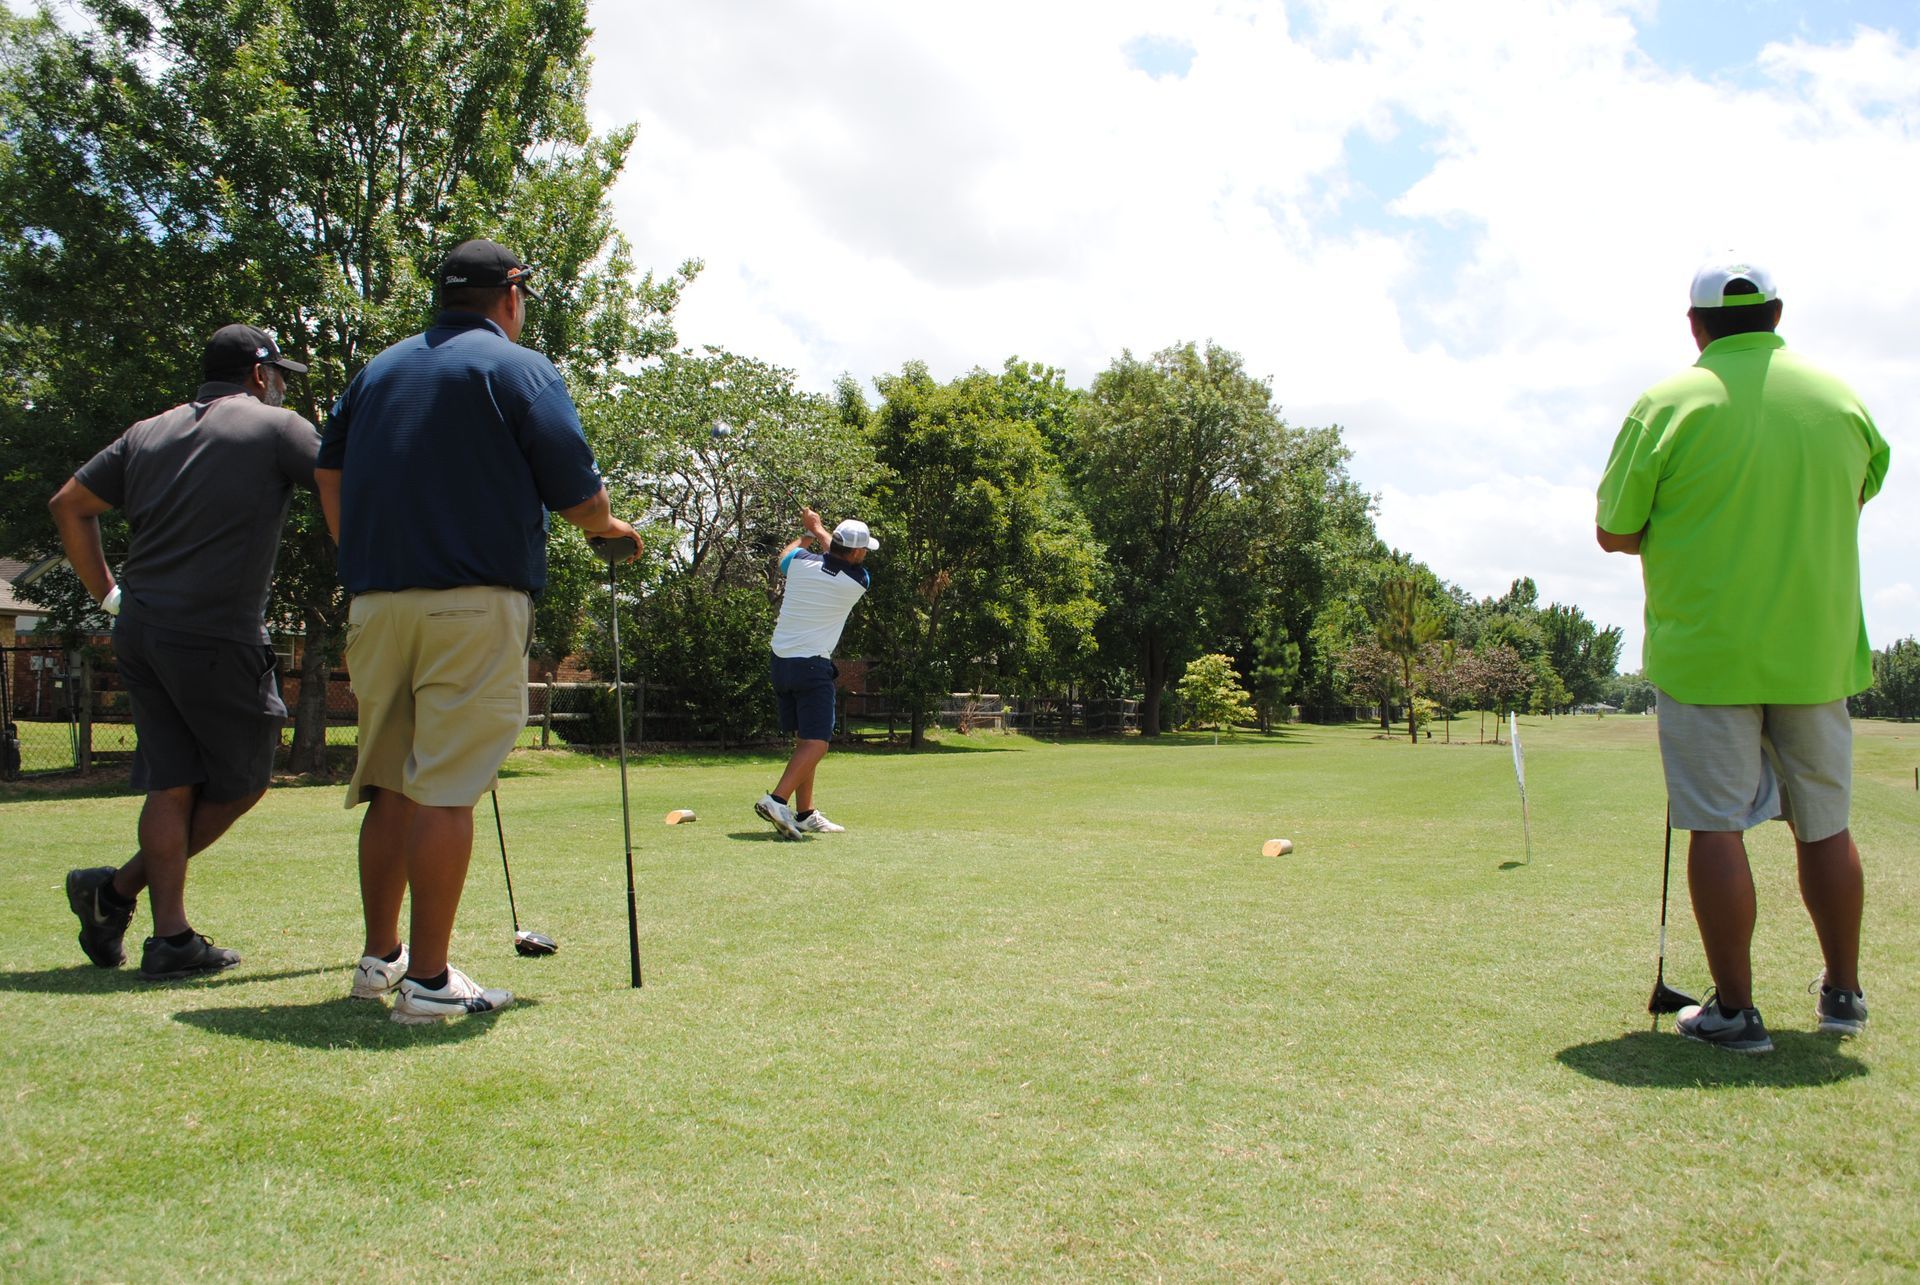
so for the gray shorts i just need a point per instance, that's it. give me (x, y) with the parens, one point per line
(1730, 767)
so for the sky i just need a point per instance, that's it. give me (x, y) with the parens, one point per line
(1461, 231)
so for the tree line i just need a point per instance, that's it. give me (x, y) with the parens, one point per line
(1896, 684)
(1433, 649)
(167, 167)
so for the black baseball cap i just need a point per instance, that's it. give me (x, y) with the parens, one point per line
(483, 263)
(238, 349)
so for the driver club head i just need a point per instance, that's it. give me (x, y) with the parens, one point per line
(533, 945)
(613, 549)
(1668, 1000)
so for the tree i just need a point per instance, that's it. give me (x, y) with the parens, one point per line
(1372, 673)
(1276, 669)
(1504, 677)
(1444, 675)
(1631, 693)
(301, 164)
(1211, 695)
(1547, 694)
(1896, 683)
(1166, 457)
(1403, 624)
(1305, 524)
(985, 562)
(1582, 655)
(719, 453)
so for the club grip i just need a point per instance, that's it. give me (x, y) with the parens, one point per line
(613, 548)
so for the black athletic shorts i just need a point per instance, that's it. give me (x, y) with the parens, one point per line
(207, 710)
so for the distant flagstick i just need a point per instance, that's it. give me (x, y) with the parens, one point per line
(1520, 775)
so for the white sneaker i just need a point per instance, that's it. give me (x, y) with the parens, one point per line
(375, 978)
(417, 1005)
(816, 822)
(779, 815)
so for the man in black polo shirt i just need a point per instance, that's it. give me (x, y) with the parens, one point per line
(205, 488)
(440, 464)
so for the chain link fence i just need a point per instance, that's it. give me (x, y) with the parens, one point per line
(68, 712)
(40, 693)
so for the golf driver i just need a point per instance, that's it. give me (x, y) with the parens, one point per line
(614, 552)
(531, 944)
(1666, 999)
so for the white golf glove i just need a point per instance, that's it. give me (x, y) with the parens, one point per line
(111, 603)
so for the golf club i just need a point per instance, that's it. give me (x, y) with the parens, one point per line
(614, 552)
(531, 944)
(1666, 999)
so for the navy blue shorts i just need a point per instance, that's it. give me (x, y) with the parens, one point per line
(207, 710)
(803, 689)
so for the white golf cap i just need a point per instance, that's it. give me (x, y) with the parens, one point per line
(853, 534)
(1711, 281)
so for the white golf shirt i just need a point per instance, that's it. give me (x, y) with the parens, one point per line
(818, 600)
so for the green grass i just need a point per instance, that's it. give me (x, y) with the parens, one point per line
(1043, 1012)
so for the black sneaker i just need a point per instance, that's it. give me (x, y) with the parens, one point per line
(1838, 1012)
(1744, 1032)
(101, 926)
(161, 962)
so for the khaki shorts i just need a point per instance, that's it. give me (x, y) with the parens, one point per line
(441, 678)
(1731, 767)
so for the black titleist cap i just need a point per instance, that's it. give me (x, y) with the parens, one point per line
(483, 263)
(238, 349)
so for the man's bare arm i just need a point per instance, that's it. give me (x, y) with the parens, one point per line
(1618, 543)
(594, 515)
(76, 512)
(326, 483)
(813, 529)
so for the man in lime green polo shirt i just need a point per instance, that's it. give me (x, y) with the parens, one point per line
(1739, 483)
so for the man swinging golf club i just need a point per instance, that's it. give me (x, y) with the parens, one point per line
(1739, 484)
(822, 586)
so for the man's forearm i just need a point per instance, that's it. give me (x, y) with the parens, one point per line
(326, 484)
(593, 515)
(76, 515)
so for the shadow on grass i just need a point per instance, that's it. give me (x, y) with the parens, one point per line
(951, 743)
(103, 783)
(340, 1023)
(1650, 1060)
(1243, 738)
(761, 836)
(1512, 865)
(85, 979)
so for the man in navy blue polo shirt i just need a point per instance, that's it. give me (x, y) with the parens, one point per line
(437, 469)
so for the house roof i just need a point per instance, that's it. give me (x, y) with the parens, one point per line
(10, 601)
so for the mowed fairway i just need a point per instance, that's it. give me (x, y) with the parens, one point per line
(1043, 1012)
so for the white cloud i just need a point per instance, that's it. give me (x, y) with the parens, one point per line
(873, 183)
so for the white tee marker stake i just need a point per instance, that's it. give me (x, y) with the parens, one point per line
(1520, 775)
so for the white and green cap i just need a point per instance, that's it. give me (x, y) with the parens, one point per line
(1716, 274)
